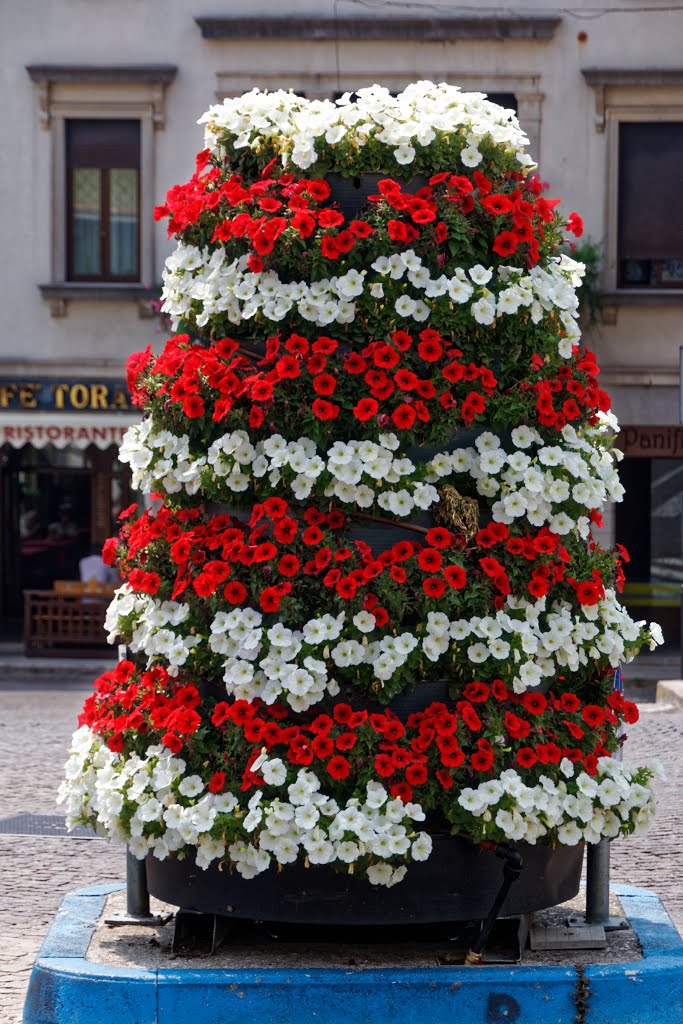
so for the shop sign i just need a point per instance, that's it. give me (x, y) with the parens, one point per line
(50, 394)
(651, 442)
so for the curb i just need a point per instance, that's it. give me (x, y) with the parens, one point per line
(67, 989)
(670, 691)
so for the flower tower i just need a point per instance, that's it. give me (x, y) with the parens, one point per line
(366, 611)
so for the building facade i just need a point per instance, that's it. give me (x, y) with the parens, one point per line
(99, 121)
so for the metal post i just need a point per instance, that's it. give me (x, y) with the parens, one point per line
(597, 883)
(137, 896)
(597, 888)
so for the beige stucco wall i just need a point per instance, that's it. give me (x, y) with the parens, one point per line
(573, 155)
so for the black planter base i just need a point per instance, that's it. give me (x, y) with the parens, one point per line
(458, 882)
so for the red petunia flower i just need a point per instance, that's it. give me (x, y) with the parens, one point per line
(398, 231)
(346, 741)
(346, 587)
(325, 410)
(429, 560)
(312, 535)
(193, 406)
(322, 746)
(234, 592)
(439, 537)
(593, 715)
(338, 767)
(416, 774)
(534, 703)
(575, 224)
(354, 363)
(434, 586)
(289, 565)
(505, 243)
(329, 247)
(365, 409)
(324, 384)
(384, 765)
(404, 416)
(476, 691)
(456, 576)
(270, 599)
(526, 758)
(430, 351)
(401, 791)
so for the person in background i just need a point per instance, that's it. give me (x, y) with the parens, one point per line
(92, 568)
(63, 528)
(29, 522)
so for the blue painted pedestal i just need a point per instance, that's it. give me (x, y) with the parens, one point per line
(67, 989)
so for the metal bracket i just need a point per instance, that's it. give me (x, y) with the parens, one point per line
(574, 935)
(609, 924)
(139, 920)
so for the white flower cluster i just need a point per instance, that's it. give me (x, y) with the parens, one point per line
(350, 472)
(527, 642)
(312, 823)
(174, 810)
(420, 114)
(198, 284)
(540, 485)
(585, 808)
(537, 481)
(150, 629)
(539, 641)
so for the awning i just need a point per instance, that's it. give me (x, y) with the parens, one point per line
(63, 429)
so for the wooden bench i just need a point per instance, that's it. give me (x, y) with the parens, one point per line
(67, 620)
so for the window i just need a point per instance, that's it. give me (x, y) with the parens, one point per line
(650, 217)
(640, 112)
(102, 122)
(103, 200)
(648, 524)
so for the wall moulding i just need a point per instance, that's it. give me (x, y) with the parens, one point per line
(500, 27)
(57, 83)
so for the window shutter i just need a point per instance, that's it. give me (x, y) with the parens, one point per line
(103, 144)
(650, 190)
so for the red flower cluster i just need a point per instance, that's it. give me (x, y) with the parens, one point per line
(523, 211)
(570, 393)
(404, 380)
(126, 704)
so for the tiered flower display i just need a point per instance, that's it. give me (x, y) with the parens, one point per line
(413, 366)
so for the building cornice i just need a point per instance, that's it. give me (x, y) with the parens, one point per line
(492, 27)
(120, 73)
(633, 76)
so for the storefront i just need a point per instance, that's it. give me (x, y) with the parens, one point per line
(61, 484)
(649, 524)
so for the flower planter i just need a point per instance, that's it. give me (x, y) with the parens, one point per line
(458, 882)
(461, 290)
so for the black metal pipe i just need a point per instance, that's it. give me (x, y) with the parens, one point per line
(597, 883)
(137, 896)
(512, 869)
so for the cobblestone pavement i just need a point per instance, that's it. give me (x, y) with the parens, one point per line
(36, 722)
